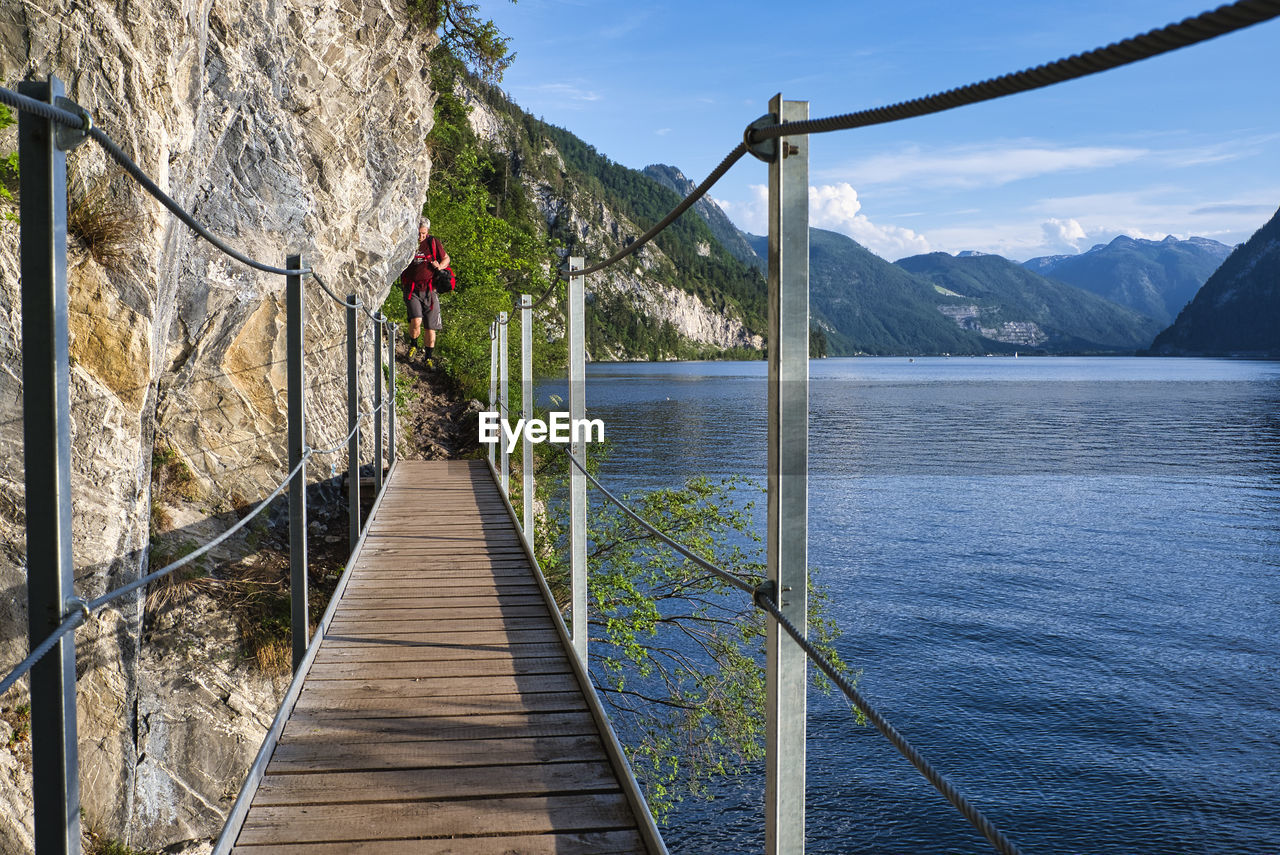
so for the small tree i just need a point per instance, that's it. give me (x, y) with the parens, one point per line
(464, 34)
(676, 652)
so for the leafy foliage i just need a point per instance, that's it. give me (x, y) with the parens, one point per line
(488, 227)
(8, 162)
(677, 653)
(466, 36)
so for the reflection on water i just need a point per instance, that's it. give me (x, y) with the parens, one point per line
(1060, 577)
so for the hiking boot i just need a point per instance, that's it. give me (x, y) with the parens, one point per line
(413, 351)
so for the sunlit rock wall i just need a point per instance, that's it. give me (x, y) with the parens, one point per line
(285, 126)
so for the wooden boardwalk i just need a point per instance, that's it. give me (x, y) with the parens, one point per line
(442, 712)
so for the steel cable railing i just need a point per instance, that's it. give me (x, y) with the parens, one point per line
(1225, 19)
(85, 610)
(764, 598)
(78, 119)
(1190, 31)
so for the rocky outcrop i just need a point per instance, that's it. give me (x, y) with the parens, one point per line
(285, 126)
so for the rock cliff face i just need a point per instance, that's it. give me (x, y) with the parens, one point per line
(285, 126)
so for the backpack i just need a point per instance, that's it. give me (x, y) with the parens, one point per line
(443, 280)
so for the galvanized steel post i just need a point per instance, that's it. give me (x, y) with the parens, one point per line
(526, 410)
(577, 481)
(502, 397)
(353, 444)
(377, 405)
(788, 461)
(295, 361)
(493, 382)
(46, 417)
(392, 331)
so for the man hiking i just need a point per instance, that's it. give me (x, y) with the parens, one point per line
(421, 282)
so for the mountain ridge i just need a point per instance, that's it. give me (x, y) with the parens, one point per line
(1156, 278)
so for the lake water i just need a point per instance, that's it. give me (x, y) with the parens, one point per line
(1060, 578)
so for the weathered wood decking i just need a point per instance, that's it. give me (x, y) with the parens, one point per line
(442, 713)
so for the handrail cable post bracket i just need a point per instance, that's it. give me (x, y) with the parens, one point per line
(295, 322)
(353, 415)
(503, 378)
(788, 456)
(46, 378)
(526, 410)
(578, 448)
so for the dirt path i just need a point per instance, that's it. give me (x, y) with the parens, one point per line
(440, 424)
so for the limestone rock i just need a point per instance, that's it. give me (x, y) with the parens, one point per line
(284, 126)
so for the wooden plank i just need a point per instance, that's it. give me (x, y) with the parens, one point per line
(383, 652)
(449, 592)
(399, 820)
(318, 707)
(412, 785)
(436, 611)
(563, 843)
(303, 757)
(476, 636)
(411, 671)
(334, 691)
(302, 729)
(441, 714)
(349, 626)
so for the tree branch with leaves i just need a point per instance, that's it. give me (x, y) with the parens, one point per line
(677, 654)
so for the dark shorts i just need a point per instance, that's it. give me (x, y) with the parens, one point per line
(425, 306)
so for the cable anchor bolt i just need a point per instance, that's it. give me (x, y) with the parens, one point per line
(71, 605)
(66, 138)
(766, 150)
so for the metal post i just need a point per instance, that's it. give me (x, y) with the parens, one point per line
(503, 399)
(295, 321)
(377, 406)
(393, 331)
(788, 461)
(353, 444)
(493, 382)
(526, 409)
(46, 403)
(577, 481)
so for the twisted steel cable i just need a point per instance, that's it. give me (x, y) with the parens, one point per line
(1217, 22)
(1220, 21)
(736, 581)
(698, 192)
(763, 599)
(85, 609)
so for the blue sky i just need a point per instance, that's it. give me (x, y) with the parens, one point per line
(1183, 144)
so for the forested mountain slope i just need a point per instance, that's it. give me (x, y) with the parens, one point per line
(683, 295)
(1237, 312)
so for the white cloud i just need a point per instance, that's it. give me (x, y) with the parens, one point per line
(662, 132)
(562, 95)
(835, 207)
(1063, 234)
(838, 208)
